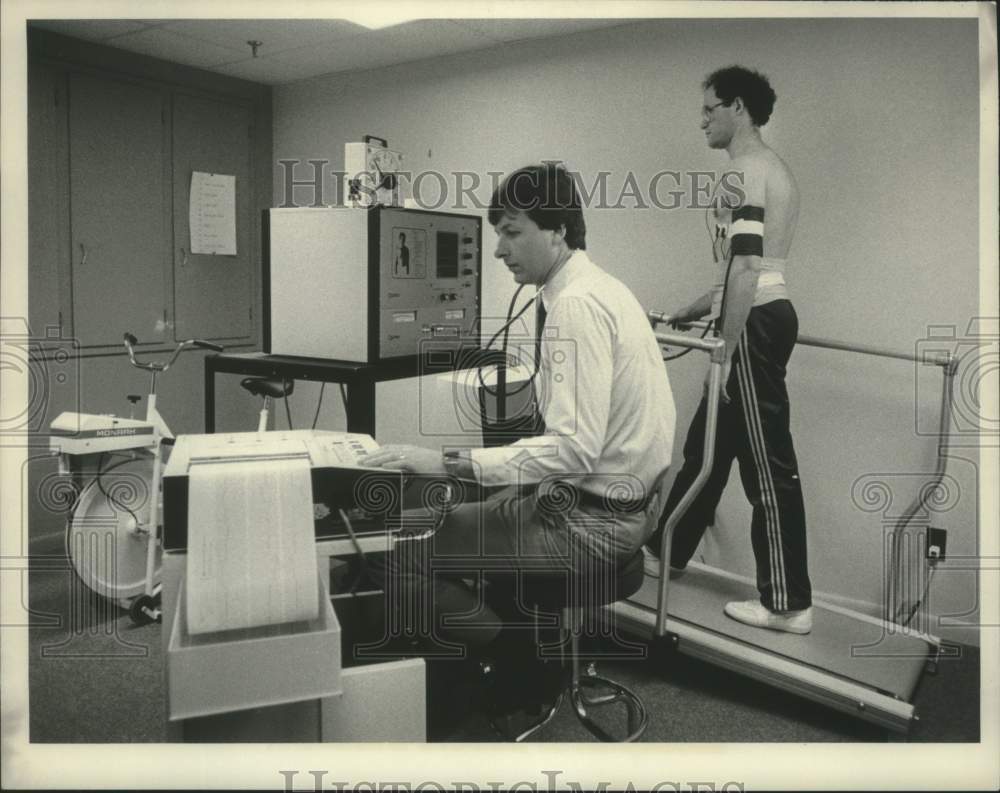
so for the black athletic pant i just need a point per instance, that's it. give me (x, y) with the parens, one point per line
(753, 429)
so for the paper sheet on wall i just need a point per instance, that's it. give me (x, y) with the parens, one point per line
(212, 213)
(251, 556)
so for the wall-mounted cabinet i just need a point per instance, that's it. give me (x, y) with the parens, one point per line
(113, 140)
(48, 182)
(120, 211)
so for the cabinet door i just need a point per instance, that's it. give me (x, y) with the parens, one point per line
(48, 201)
(119, 211)
(213, 293)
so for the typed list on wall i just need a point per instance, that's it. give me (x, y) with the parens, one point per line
(212, 212)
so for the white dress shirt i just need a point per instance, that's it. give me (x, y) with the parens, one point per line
(602, 391)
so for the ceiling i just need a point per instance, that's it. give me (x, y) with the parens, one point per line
(297, 49)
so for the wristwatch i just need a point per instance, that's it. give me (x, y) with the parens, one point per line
(455, 464)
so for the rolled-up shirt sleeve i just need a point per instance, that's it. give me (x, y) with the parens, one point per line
(573, 387)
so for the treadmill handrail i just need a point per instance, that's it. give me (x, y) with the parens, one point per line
(716, 348)
(946, 360)
(893, 607)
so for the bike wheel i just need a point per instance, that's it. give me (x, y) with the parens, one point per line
(106, 551)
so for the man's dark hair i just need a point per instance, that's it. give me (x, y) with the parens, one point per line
(750, 86)
(545, 193)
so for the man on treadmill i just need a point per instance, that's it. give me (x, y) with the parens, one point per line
(752, 312)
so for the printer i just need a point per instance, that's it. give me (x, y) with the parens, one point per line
(369, 498)
(249, 523)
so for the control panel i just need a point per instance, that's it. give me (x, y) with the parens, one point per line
(429, 276)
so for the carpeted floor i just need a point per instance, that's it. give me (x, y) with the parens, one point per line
(94, 677)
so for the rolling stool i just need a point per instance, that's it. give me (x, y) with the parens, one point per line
(575, 597)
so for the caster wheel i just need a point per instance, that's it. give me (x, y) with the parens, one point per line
(144, 610)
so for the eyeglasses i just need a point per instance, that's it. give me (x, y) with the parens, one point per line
(706, 110)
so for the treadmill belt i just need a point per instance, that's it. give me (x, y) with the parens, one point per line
(843, 645)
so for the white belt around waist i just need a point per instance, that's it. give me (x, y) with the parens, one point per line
(771, 278)
(768, 279)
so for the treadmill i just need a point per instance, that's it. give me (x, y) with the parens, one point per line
(853, 662)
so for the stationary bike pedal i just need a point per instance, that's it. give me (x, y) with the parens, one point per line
(145, 609)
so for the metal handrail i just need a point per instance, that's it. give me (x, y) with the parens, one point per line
(946, 360)
(893, 610)
(716, 348)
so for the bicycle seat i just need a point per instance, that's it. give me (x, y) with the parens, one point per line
(271, 387)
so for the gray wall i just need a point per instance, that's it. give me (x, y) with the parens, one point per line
(878, 119)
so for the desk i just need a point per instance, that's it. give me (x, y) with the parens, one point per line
(360, 378)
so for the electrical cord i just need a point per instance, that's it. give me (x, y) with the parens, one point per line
(506, 327)
(508, 322)
(923, 595)
(720, 234)
(105, 493)
(719, 238)
(288, 411)
(505, 331)
(319, 402)
(363, 568)
(684, 352)
(722, 302)
(708, 226)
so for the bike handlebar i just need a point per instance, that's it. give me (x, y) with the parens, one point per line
(207, 345)
(161, 366)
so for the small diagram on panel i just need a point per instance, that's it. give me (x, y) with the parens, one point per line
(409, 259)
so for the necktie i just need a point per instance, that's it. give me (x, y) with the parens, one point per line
(537, 423)
(540, 314)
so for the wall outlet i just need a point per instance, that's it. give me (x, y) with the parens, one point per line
(937, 540)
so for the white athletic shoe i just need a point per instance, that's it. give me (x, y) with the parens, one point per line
(753, 612)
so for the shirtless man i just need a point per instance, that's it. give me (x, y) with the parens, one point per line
(750, 306)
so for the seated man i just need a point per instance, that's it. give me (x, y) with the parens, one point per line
(577, 497)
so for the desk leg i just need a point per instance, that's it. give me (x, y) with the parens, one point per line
(209, 395)
(361, 407)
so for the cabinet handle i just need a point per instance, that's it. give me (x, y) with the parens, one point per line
(184, 257)
(83, 250)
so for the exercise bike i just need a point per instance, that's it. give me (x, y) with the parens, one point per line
(112, 537)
